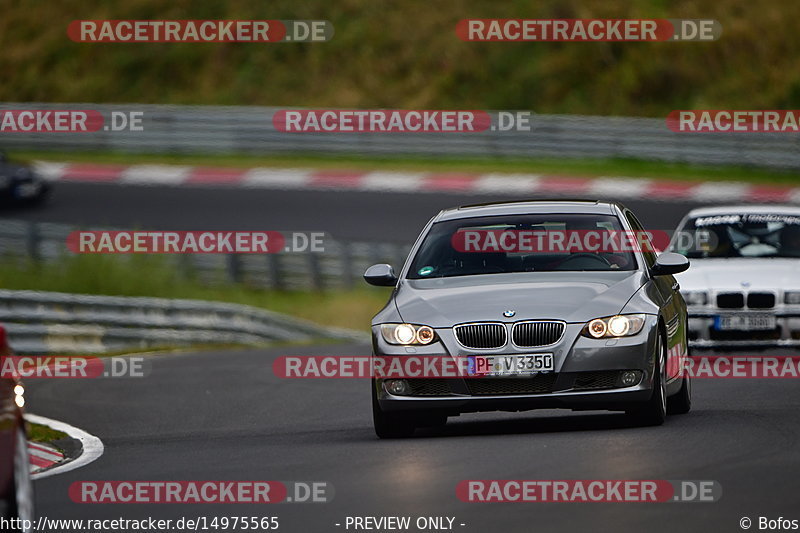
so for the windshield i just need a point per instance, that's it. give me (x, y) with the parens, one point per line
(508, 243)
(741, 235)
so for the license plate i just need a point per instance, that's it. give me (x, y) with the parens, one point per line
(509, 365)
(745, 322)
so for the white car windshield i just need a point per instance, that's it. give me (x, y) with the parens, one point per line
(740, 235)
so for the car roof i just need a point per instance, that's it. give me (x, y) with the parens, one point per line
(525, 207)
(744, 210)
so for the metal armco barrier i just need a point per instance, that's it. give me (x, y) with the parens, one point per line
(232, 130)
(52, 322)
(341, 265)
(60, 323)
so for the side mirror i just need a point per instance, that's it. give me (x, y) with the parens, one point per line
(669, 263)
(381, 275)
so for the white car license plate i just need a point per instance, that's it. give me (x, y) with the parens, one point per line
(510, 365)
(750, 322)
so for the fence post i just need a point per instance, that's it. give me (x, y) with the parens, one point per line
(32, 240)
(347, 265)
(276, 274)
(234, 267)
(316, 271)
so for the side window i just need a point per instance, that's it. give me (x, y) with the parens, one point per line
(649, 255)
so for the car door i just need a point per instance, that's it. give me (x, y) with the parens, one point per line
(673, 308)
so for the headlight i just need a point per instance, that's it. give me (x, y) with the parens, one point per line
(407, 334)
(614, 326)
(792, 298)
(695, 297)
(19, 396)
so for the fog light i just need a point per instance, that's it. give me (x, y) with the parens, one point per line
(396, 386)
(629, 378)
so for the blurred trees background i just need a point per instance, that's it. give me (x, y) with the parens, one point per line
(405, 54)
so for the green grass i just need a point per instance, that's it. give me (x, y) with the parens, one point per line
(566, 167)
(43, 434)
(150, 275)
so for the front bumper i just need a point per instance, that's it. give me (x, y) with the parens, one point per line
(616, 399)
(586, 376)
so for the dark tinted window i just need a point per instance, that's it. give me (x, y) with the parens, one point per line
(649, 256)
(447, 251)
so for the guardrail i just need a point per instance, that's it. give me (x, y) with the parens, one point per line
(341, 265)
(232, 130)
(60, 323)
(52, 322)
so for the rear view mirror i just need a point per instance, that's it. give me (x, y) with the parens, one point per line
(381, 275)
(669, 263)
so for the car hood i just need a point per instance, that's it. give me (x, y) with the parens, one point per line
(568, 296)
(741, 273)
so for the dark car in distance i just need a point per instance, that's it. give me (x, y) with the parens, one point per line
(20, 185)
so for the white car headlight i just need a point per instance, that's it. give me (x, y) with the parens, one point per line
(407, 334)
(614, 326)
(695, 297)
(791, 297)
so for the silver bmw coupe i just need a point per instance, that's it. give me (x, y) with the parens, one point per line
(542, 304)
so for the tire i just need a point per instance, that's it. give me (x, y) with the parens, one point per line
(681, 403)
(390, 425)
(21, 497)
(654, 411)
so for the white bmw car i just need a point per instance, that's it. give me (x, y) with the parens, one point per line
(744, 285)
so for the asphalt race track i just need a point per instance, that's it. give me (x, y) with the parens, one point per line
(353, 216)
(225, 416)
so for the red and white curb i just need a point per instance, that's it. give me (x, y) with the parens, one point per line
(91, 449)
(43, 456)
(421, 182)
